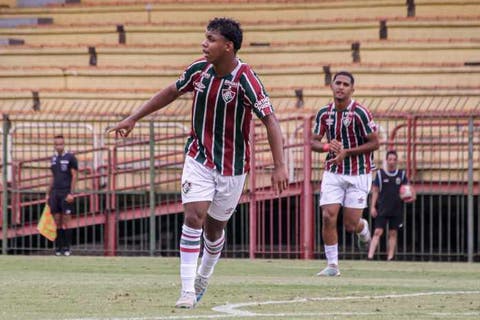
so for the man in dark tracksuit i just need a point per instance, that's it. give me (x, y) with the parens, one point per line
(60, 194)
(386, 199)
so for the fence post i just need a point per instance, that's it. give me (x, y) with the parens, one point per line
(253, 203)
(307, 225)
(6, 129)
(470, 220)
(152, 189)
(110, 232)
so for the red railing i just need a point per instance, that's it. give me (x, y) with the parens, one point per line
(265, 205)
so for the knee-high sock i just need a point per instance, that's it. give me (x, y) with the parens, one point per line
(59, 240)
(211, 253)
(331, 252)
(189, 252)
(68, 238)
(365, 233)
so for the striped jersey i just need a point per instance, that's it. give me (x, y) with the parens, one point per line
(351, 126)
(221, 115)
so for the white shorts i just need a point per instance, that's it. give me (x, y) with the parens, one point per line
(200, 183)
(348, 191)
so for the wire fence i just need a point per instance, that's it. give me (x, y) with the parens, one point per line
(129, 200)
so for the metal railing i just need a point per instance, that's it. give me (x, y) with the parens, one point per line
(129, 202)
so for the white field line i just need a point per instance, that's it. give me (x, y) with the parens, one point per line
(232, 310)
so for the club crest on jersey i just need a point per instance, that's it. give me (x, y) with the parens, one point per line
(347, 121)
(186, 186)
(398, 180)
(228, 95)
(329, 121)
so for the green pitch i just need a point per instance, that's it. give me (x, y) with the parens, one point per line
(93, 288)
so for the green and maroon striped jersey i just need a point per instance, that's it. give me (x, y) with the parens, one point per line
(221, 115)
(351, 126)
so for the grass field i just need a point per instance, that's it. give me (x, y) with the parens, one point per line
(93, 288)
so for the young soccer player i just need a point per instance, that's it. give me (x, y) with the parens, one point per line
(351, 139)
(226, 92)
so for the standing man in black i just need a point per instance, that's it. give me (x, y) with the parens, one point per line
(60, 194)
(386, 205)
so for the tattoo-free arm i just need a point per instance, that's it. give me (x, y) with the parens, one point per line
(157, 102)
(275, 139)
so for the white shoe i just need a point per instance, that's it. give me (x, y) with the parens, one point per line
(329, 271)
(187, 300)
(201, 284)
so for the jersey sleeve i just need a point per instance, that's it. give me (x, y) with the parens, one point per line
(367, 124)
(73, 163)
(404, 178)
(255, 94)
(185, 82)
(320, 126)
(376, 180)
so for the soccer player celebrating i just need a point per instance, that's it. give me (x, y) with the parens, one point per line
(225, 92)
(351, 139)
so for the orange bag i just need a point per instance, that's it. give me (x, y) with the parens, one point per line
(46, 225)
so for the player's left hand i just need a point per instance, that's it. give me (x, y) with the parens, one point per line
(280, 179)
(340, 156)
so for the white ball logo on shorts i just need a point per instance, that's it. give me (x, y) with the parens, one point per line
(186, 186)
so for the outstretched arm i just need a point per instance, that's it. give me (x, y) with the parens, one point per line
(157, 102)
(274, 133)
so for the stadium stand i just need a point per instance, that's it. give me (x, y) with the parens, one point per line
(304, 75)
(268, 31)
(55, 60)
(440, 51)
(98, 60)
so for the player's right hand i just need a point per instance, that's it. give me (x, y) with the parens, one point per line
(123, 128)
(373, 212)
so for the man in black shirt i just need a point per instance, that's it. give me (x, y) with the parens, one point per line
(60, 196)
(386, 197)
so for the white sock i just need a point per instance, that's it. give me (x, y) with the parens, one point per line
(189, 252)
(365, 233)
(211, 254)
(331, 252)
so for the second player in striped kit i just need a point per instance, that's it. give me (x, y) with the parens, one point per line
(351, 139)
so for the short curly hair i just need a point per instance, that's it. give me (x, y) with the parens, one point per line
(229, 29)
(345, 73)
